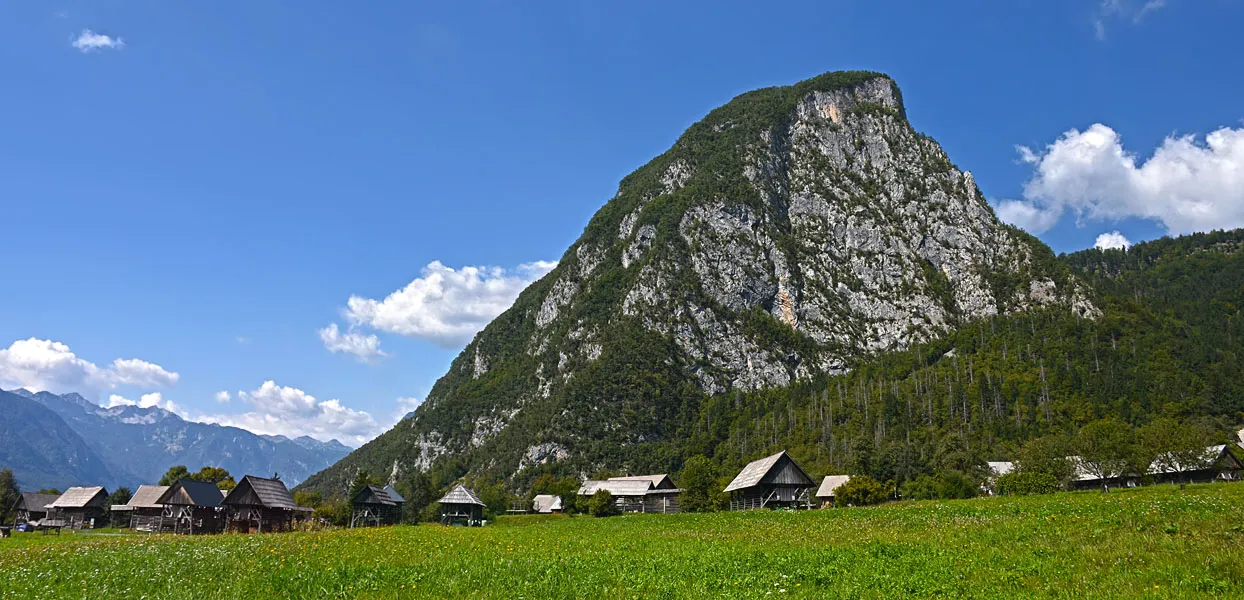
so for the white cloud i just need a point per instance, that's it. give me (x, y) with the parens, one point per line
(1134, 11)
(39, 365)
(446, 306)
(89, 41)
(404, 407)
(363, 346)
(1112, 240)
(288, 411)
(223, 397)
(1187, 185)
(154, 399)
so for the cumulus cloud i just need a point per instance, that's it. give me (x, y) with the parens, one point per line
(39, 365)
(289, 411)
(88, 41)
(154, 399)
(444, 305)
(1112, 240)
(1187, 184)
(405, 406)
(362, 346)
(223, 397)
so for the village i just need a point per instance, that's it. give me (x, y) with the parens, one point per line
(265, 505)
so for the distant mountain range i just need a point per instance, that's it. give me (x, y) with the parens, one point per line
(54, 440)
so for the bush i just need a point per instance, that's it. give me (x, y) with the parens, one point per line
(860, 490)
(601, 504)
(1032, 482)
(949, 485)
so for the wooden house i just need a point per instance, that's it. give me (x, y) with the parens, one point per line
(825, 493)
(78, 508)
(461, 507)
(143, 509)
(638, 493)
(192, 507)
(375, 505)
(771, 482)
(1216, 463)
(546, 504)
(258, 504)
(32, 507)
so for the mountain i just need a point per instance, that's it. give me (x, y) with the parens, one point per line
(787, 237)
(137, 445)
(41, 449)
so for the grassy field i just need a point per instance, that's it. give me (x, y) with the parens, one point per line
(1156, 542)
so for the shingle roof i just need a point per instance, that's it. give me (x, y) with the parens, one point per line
(461, 495)
(373, 494)
(546, 503)
(1167, 463)
(656, 480)
(754, 472)
(80, 497)
(147, 496)
(616, 487)
(36, 501)
(831, 483)
(396, 497)
(197, 493)
(271, 493)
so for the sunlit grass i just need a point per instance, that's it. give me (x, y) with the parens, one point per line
(1157, 542)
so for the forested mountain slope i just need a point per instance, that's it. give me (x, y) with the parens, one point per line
(790, 235)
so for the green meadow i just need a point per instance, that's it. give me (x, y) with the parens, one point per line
(1154, 542)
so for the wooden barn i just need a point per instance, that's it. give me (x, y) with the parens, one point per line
(462, 507)
(31, 507)
(546, 504)
(143, 508)
(375, 505)
(771, 482)
(192, 507)
(258, 504)
(825, 493)
(1216, 464)
(78, 508)
(638, 493)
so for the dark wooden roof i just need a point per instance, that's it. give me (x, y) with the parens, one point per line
(35, 501)
(396, 497)
(189, 492)
(374, 494)
(259, 491)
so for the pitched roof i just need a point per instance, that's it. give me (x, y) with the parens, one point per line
(616, 487)
(754, 473)
(81, 497)
(831, 483)
(461, 495)
(546, 503)
(270, 493)
(36, 501)
(189, 492)
(658, 481)
(999, 468)
(396, 497)
(373, 494)
(146, 496)
(1167, 463)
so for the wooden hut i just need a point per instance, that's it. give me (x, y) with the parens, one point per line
(31, 507)
(375, 505)
(258, 504)
(462, 507)
(78, 508)
(143, 508)
(771, 482)
(825, 493)
(192, 507)
(638, 493)
(1216, 463)
(546, 504)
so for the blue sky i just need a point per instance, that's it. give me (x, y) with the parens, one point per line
(203, 187)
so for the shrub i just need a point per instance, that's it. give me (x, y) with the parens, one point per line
(860, 490)
(601, 504)
(945, 486)
(1032, 482)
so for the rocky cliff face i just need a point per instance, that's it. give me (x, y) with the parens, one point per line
(787, 235)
